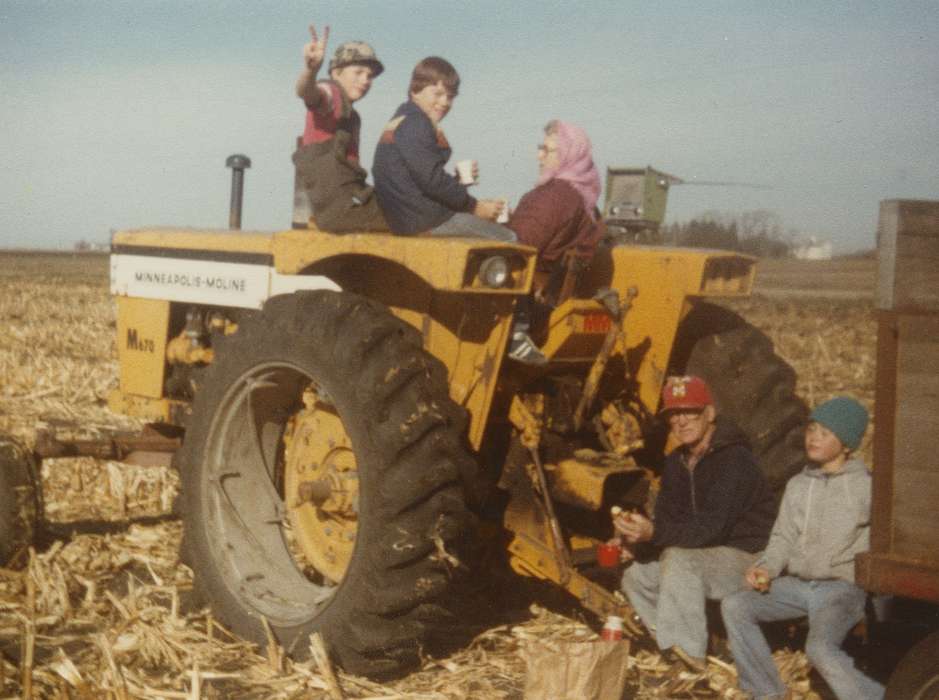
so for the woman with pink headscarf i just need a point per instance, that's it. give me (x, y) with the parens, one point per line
(560, 213)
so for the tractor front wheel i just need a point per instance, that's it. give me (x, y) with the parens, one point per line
(324, 471)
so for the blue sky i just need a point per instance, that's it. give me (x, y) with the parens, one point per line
(121, 114)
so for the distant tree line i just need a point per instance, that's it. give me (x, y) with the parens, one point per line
(758, 233)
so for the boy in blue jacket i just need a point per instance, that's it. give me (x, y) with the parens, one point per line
(415, 191)
(823, 522)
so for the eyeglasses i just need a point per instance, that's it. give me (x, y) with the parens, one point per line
(688, 414)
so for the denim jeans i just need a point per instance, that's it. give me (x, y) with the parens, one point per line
(669, 594)
(463, 224)
(833, 608)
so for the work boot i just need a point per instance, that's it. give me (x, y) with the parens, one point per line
(523, 349)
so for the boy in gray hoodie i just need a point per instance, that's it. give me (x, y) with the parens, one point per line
(824, 520)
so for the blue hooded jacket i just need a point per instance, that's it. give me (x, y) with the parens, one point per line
(414, 191)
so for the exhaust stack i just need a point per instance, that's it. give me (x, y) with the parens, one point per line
(238, 164)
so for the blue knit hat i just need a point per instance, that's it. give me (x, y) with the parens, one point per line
(845, 417)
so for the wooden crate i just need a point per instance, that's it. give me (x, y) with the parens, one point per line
(908, 255)
(904, 555)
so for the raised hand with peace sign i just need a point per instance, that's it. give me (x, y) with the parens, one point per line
(314, 51)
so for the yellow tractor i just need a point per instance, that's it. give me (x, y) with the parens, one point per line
(348, 428)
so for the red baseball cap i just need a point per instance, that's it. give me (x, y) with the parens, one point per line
(685, 392)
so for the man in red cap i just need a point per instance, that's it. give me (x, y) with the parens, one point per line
(713, 514)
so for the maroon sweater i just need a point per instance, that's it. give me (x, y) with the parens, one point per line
(552, 218)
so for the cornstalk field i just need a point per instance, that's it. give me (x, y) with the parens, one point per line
(101, 607)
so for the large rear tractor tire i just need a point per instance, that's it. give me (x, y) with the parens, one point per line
(916, 677)
(752, 385)
(20, 499)
(324, 472)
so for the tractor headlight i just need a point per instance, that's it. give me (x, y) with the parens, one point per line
(494, 271)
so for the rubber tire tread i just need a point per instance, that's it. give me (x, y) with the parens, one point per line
(377, 619)
(20, 498)
(917, 668)
(751, 384)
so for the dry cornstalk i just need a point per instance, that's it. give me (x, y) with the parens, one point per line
(275, 653)
(29, 638)
(118, 605)
(318, 649)
(66, 668)
(77, 394)
(149, 692)
(40, 394)
(120, 687)
(723, 665)
(195, 684)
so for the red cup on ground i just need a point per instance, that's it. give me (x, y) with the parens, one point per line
(612, 629)
(608, 555)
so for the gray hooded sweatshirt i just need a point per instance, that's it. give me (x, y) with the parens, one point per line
(824, 520)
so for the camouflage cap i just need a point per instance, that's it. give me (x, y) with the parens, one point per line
(356, 52)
